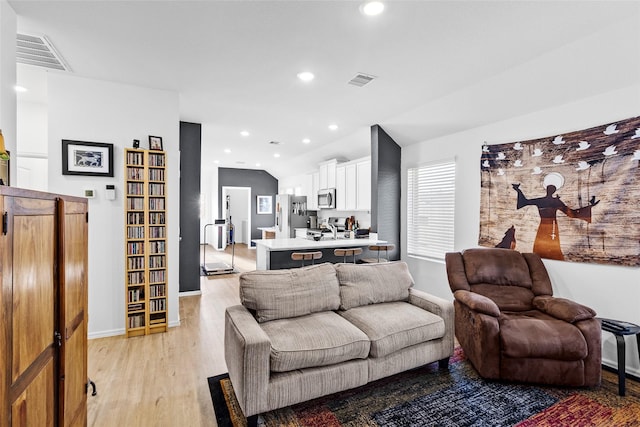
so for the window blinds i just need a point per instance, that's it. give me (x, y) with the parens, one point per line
(430, 209)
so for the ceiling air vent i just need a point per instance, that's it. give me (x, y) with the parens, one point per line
(275, 142)
(361, 79)
(38, 51)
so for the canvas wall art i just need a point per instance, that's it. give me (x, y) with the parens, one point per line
(572, 197)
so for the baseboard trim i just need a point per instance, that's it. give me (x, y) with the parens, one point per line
(106, 334)
(613, 369)
(118, 332)
(189, 293)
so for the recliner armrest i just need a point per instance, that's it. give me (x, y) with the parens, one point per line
(563, 309)
(247, 350)
(477, 302)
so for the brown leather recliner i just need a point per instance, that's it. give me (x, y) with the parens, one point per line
(512, 328)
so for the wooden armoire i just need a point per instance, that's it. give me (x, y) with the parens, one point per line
(43, 301)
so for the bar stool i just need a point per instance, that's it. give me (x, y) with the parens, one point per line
(379, 248)
(345, 252)
(302, 256)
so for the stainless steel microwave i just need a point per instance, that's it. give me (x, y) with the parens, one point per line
(327, 198)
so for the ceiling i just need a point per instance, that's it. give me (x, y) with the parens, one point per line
(234, 65)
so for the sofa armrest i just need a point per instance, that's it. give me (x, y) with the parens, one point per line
(440, 307)
(247, 351)
(477, 302)
(431, 303)
(563, 309)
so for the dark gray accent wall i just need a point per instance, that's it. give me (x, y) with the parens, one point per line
(261, 182)
(385, 188)
(190, 142)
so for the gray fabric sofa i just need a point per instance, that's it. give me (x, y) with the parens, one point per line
(308, 332)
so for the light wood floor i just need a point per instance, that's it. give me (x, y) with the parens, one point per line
(161, 380)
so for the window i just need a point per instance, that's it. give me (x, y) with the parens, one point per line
(430, 209)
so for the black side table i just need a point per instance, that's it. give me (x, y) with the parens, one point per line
(620, 329)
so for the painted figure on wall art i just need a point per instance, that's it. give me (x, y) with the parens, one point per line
(547, 241)
(585, 186)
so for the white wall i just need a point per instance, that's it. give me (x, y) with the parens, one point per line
(612, 291)
(98, 111)
(32, 162)
(8, 80)
(239, 211)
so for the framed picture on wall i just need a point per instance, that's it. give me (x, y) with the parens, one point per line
(4, 171)
(87, 158)
(265, 205)
(155, 143)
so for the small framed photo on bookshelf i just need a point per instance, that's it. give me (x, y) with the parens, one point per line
(87, 158)
(264, 205)
(4, 172)
(155, 143)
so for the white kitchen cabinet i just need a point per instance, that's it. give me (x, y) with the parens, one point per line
(331, 173)
(351, 187)
(363, 179)
(315, 186)
(327, 174)
(341, 188)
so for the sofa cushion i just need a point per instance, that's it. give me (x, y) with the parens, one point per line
(280, 294)
(363, 284)
(318, 339)
(536, 335)
(393, 326)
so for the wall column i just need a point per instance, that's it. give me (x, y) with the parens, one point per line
(385, 188)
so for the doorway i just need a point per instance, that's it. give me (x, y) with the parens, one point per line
(236, 208)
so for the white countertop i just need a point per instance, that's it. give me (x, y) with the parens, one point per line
(294, 244)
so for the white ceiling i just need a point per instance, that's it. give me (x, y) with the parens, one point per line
(234, 65)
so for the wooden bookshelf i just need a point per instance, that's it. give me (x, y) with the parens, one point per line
(145, 242)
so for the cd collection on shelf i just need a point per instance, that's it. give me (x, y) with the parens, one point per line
(146, 242)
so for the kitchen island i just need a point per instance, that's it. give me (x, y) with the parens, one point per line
(275, 254)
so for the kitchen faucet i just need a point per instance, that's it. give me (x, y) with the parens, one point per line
(334, 231)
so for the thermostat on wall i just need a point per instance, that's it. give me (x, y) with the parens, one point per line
(89, 193)
(111, 192)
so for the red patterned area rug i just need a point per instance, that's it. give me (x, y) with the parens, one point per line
(456, 397)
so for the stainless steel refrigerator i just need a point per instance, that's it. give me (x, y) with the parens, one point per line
(291, 213)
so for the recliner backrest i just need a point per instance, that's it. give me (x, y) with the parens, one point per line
(503, 267)
(507, 277)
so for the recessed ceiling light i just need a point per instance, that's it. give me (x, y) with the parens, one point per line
(372, 8)
(244, 133)
(306, 76)
(227, 150)
(306, 140)
(333, 126)
(276, 155)
(257, 164)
